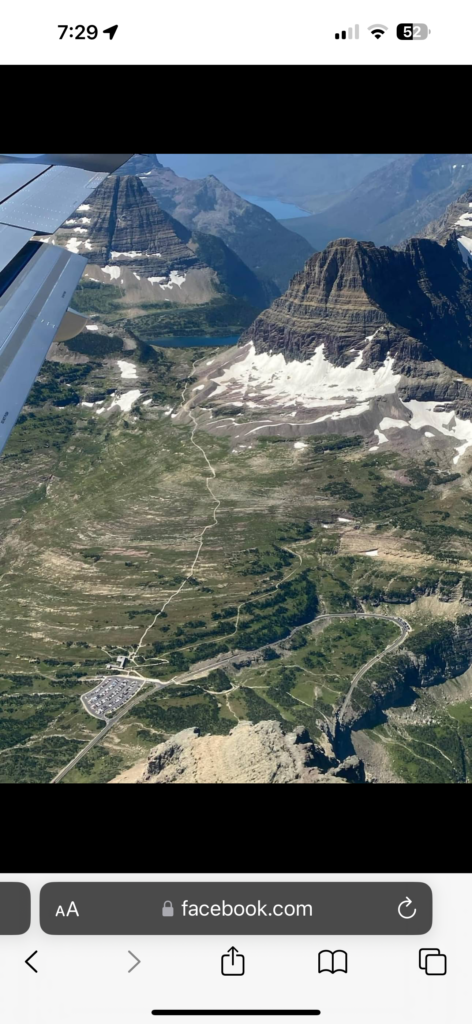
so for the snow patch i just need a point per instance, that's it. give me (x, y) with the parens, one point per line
(112, 271)
(175, 278)
(300, 444)
(155, 280)
(91, 327)
(427, 434)
(465, 248)
(84, 206)
(132, 255)
(374, 551)
(381, 437)
(127, 369)
(465, 220)
(199, 387)
(126, 400)
(424, 415)
(137, 275)
(147, 401)
(341, 520)
(390, 424)
(73, 245)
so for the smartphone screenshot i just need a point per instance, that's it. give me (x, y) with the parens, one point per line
(235, 470)
(128, 948)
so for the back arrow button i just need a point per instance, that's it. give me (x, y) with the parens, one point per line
(30, 958)
(135, 958)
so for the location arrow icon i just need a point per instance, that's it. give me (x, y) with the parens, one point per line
(135, 958)
(30, 958)
(111, 32)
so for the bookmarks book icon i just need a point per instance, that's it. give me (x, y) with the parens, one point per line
(332, 960)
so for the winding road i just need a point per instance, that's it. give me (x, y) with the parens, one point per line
(405, 629)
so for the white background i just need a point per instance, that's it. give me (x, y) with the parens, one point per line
(247, 32)
(85, 979)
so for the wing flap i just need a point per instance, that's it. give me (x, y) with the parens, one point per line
(45, 203)
(107, 162)
(12, 240)
(31, 311)
(15, 176)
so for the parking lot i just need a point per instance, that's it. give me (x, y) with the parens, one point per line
(110, 694)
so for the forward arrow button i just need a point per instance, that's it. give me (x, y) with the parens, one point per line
(134, 958)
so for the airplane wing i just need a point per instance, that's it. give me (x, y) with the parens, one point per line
(37, 280)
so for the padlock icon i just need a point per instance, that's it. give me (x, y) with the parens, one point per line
(167, 910)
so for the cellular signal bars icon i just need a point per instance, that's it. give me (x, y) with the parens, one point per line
(348, 34)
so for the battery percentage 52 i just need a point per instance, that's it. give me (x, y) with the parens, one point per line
(409, 31)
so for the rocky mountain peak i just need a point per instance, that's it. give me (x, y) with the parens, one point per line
(455, 225)
(141, 163)
(422, 294)
(122, 225)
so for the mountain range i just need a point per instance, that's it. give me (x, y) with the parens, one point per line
(367, 340)
(392, 203)
(272, 252)
(311, 180)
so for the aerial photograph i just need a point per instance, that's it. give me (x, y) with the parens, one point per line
(236, 468)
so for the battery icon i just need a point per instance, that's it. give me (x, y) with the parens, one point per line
(409, 31)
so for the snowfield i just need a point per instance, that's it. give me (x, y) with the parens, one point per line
(280, 384)
(311, 383)
(446, 422)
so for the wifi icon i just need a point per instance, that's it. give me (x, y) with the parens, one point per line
(378, 30)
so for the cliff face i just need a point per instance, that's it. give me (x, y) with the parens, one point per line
(257, 754)
(422, 296)
(456, 224)
(131, 241)
(122, 225)
(431, 656)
